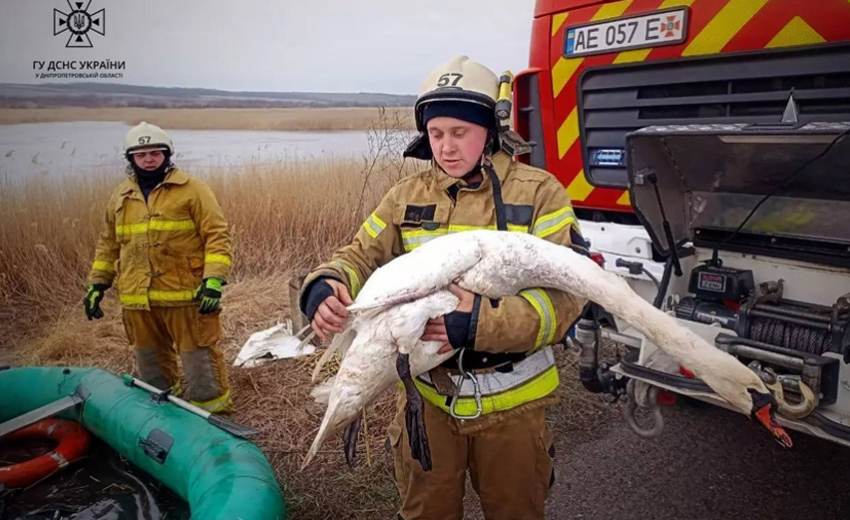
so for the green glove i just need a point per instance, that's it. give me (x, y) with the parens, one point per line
(92, 301)
(209, 294)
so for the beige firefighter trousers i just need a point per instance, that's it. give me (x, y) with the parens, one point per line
(161, 335)
(509, 462)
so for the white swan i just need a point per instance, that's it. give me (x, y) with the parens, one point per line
(390, 312)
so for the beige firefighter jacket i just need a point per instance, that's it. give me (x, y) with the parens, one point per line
(419, 208)
(160, 250)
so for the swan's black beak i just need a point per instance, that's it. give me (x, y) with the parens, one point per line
(414, 415)
(764, 406)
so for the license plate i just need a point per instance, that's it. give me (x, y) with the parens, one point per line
(665, 27)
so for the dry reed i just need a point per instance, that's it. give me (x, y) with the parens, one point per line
(348, 118)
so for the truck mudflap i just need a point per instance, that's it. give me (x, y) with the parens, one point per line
(817, 422)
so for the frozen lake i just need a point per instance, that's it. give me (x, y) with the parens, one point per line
(58, 149)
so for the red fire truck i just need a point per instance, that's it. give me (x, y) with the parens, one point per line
(702, 144)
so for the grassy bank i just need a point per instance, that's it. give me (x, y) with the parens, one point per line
(353, 118)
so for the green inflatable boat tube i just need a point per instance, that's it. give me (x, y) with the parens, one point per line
(219, 475)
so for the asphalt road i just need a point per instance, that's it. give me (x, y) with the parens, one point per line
(707, 464)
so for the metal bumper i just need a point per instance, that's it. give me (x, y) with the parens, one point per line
(818, 424)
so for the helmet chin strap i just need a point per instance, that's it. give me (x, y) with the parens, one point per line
(485, 158)
(496, 185)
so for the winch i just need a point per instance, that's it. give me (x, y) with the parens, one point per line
(727, 296)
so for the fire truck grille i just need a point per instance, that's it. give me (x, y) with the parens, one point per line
(748, 87)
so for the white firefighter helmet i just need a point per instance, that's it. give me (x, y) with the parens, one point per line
(461, 88)
(459, 80)
(149, 137)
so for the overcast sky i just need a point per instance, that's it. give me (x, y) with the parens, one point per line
(283, 45)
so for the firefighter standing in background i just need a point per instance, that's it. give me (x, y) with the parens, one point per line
(471, 184)
(167, 246)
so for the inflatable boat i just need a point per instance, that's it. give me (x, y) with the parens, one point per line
(219, 475)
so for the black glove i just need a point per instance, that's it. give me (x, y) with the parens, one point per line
(209, 295)
(315, 294)
(91, 302)
(460, 326)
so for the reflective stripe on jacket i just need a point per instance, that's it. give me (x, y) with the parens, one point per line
(420, 208)
(158, 251)
(530, 379)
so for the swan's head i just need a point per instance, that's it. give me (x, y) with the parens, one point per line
(745, 390)
(763, 410)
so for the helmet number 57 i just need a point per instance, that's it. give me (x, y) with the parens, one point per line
(452, 77)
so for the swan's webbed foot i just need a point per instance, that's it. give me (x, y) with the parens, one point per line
(349, 440)
(414, 415)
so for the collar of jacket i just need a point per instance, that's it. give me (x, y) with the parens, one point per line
(174, 176)
(501, 161)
